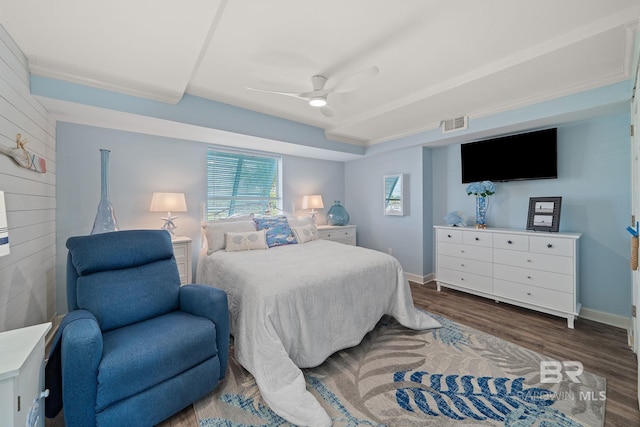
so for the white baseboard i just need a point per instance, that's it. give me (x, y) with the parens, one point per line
(606, 318)
(419, 279)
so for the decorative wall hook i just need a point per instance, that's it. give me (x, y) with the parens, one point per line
(23, 157)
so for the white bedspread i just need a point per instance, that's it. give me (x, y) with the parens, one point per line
(293, 306)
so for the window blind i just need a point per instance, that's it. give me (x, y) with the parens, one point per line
(240, 183)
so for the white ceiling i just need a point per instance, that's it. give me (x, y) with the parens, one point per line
(437, 59)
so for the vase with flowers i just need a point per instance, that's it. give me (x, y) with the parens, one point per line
(482, 191)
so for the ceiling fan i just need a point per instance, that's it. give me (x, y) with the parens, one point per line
(318, 97)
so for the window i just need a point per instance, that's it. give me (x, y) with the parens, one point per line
(241, 183)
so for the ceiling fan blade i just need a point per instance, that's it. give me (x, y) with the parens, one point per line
(355, 81)
(277, 92)
(327, 111)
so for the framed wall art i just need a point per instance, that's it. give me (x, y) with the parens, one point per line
(544, 214)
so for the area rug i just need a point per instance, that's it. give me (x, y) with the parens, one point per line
(452, 376)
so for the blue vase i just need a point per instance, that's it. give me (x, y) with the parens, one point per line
(337, 215)
(482, 203)
(105, 217)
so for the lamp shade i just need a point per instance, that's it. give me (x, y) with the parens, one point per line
(312, 202)
(168, 202)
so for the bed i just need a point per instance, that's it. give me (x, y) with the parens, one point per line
(293, 305)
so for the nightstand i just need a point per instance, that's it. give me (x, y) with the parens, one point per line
(22, 376)
(182, 252)
(338, 233)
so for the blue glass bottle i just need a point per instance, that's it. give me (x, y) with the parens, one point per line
(337, 215)
(106, 217)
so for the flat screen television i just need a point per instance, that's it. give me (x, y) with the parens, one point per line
(530, 155)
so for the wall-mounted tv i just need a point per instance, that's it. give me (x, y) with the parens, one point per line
(530, 155)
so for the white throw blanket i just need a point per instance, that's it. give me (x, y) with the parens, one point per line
(293, 306)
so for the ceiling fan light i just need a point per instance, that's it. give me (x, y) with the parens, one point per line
(318, 101)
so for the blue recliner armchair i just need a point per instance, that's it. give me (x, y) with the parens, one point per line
(136, 347)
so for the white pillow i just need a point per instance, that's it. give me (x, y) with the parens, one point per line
(299, 221)
(248, 241)
(306, 233)
(216, 230)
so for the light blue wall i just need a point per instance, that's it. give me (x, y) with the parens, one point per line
(141, 164)
(594, 181)
(365, 201)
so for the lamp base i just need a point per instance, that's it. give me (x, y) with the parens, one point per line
(169, 225)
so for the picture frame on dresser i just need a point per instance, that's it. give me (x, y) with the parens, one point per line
(544, 214)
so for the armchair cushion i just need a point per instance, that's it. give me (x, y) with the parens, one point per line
(152, 287)
(143, 355)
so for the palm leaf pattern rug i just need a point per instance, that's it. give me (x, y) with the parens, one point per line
(452, 376)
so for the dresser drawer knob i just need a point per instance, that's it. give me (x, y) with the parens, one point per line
(528, 277)
(528, 260)
(449, 235)
(477, 238)
(549, 245)
(461, 265)
(529, 293)
(509, 242)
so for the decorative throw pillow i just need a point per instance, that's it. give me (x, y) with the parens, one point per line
(215, 233)
(278, 231)
(248, 241)
(305, 233)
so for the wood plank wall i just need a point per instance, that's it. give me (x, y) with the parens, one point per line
(27, 274)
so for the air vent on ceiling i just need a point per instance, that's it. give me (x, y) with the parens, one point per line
(452, 125)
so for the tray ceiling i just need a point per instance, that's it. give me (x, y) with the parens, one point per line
(437, 60)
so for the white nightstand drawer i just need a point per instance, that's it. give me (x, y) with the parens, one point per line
(468, 280)
(467, 265)
(514, 242)
(551, 245)
(553, 263)
(338, 233)
(449, 235)
(464, 251)
(477, 238)
(533, 295)
(539, 278)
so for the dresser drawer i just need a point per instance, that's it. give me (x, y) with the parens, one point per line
(543, 279)
(477, 238)
(551, 245)
(467, 265)
(464, 279)
(553, 263)
(449, 235)
(533, 295)
(514, 242)
(464, 251)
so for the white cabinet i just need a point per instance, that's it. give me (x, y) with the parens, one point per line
(530, 269)
(338, 233)
(22, 376)
(182, 253)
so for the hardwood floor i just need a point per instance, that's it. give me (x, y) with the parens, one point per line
(602, 349)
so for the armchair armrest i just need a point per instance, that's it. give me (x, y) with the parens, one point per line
(80, 355)
(210, 302)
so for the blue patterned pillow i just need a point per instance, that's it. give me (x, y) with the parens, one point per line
(278, 230)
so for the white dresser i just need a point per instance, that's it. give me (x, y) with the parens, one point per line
(22, 376)
(182, 253)
(535, 270)
(338, 233)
